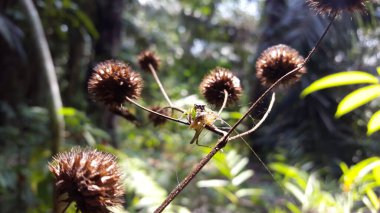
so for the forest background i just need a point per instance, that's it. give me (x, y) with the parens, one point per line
(317, 159)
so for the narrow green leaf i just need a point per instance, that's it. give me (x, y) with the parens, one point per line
(373, 198)
(340, 79)
(67, 111)
(293, 208)
(357, 98)
(374, 123)
(376, 174)
(212, 183)
(378, 70)
(343, 167)
(242, 177)
(249, 192)
(239, 166)
(297, 193)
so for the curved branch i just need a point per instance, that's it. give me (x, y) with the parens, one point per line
(224, 102)
(254, 128)
(155, 76)
(174, 108)
(154, 112)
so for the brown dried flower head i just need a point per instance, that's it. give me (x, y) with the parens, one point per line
(90, 178)
(275, 62)
(156, 119)
(337, 6)
(214, 84)
(113, 81)
(148, 57)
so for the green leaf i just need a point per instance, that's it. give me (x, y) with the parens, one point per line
(374, 123)
(249, 192)
(212, 183)
(357, 98)
(297, 192)
(378, 70)
(293, 208)
(242, 177)
(373, 198)
(239, 166)
(340, 79)
(359, 170)
(290, 172)
(67, 111)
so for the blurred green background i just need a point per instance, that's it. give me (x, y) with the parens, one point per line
(320, 164)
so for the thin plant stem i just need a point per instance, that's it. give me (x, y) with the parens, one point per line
(222, 142)
(211, 128)
(224, 102)
(155, 76)
(154, 112)
(254, 128)
(174, 108)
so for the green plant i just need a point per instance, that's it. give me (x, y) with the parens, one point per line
(355, 99)
(359, 191)
(362, 182)
(234, 184)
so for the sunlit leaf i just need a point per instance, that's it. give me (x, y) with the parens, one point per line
(293, 208)
(374, 123)
(290, 172)
(357, 98)
(67, 111)
(249, 192)
(238, 167)
(242, 177)
(378, 70)
(340, 79)
(212, 183)
(297, 192)
(343, 167)
(376, 174)
(373, 198)
(359, 170)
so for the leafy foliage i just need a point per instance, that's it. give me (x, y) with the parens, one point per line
(359, 188)
(232, 166)
(191, 37)
(356, 98)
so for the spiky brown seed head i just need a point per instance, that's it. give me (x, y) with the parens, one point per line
(113, 81)
(337, 6)
(91, 179)
(214, 84)
(275, 62)
(148, 57)
(156, 119)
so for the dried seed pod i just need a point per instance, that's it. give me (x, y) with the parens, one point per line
(148, 57)
(113, 81)
(214, 84)
(337, 6)
(156, 119)
(90, 178)
(275, 62)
